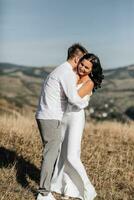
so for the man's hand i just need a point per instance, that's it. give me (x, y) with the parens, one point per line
(78, 78)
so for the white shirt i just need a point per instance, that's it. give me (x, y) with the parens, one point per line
(58, 89)
(72, 108)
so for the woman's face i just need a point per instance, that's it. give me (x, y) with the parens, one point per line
(84, 67)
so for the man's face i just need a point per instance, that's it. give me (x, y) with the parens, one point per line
(84, 67)
(78, 56)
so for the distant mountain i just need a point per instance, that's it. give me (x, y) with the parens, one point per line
(120, 73)
(10, 69)
(20, 88)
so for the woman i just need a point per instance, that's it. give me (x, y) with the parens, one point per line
(69, 177)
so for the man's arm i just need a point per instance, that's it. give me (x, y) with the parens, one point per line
(68, 83)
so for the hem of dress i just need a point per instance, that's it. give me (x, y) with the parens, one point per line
(70, 195)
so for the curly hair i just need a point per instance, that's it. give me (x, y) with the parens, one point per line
(97, 72)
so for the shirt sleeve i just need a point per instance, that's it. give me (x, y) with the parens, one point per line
(68, 83)
(75, 108)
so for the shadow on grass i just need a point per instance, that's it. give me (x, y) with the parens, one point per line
(23, 168)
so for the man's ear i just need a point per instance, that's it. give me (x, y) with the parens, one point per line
(76, 59)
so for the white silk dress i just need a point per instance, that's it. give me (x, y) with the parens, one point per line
(69, 176)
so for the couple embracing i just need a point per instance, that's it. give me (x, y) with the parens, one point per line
(60, 117)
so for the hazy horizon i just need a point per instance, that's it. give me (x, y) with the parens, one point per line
(110, 68)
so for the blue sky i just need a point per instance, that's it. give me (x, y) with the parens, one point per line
(38, 32)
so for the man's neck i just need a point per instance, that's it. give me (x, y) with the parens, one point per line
(72, 64)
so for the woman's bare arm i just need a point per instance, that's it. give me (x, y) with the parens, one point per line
(86, 88)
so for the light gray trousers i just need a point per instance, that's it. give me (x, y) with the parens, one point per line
(50, 131)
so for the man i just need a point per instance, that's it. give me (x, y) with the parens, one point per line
(58, 88)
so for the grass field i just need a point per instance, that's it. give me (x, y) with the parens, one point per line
(107, 154)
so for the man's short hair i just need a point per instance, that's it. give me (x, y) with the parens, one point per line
(75, 49)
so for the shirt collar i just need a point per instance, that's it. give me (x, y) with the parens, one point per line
(69, 65)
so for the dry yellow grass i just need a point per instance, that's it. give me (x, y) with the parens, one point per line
(107, 153)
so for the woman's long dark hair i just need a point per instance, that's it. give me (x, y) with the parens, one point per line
(97, 72)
